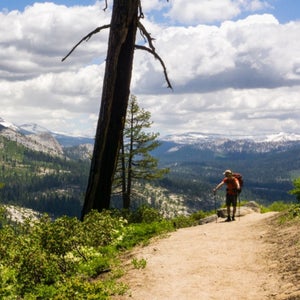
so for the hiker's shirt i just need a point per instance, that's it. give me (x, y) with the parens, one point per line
(232, 184)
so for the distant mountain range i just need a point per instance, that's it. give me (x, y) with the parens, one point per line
(197, 137)
(192, 146)
(269, 163)
(215, 142)
(233, 143)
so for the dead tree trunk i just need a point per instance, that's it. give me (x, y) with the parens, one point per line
(115, 94)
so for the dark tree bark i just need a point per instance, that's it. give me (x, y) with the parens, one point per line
(115, 94)
(114, 103)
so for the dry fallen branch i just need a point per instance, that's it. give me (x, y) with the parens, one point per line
(86, 38)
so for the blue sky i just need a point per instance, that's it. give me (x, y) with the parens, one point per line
(286, 10)
(234, 65)
(20, 4)
(283, 10)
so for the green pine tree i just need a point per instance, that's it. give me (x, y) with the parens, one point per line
(296, 190)
(135, 160)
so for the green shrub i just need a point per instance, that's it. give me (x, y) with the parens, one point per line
(145, 214)
(141, 233)
(95, 265)
(182, 221)
(275, 206)
(8, 282)
(291, 214)
(199, 215)
(36, 257)
(101, 229)
(36, 267)
(296, 190)
(295, 211)
(41, 291)
(139, 263)
(77, 288)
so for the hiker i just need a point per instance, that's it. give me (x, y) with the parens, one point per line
(233, 188)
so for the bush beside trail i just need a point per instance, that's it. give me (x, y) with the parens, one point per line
(41, 258)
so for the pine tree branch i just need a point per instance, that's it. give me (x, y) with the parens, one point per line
(86, 38)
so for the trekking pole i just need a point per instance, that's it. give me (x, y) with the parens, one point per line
(215, 198)
(239, 207)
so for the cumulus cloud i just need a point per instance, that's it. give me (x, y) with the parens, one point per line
(237, 75)
(44, 33)
(209, 11)
(255, 52)
(253, 112)
(153, 5)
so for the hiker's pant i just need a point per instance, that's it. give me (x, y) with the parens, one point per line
(231, 200)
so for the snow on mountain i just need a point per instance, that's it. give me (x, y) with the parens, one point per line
(32, 128)
(63, 139)
(231, 143)
(197, 137)
(39, 140)
(7, 124)
(282, 137)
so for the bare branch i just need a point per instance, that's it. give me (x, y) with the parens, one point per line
(160, 60)
(86, 38)
(141, 14)
(146, 35)
(105, 8)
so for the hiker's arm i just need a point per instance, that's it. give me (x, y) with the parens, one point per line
(218, 186)
(238, 187)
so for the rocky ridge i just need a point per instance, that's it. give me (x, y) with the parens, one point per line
(43, 142)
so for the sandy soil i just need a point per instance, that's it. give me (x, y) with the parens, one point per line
(236, 260)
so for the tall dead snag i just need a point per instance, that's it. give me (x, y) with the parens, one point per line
(115, 95)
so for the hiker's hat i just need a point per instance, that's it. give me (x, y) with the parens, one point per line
(227, 172)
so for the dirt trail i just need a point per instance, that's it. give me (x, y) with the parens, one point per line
(212, 261)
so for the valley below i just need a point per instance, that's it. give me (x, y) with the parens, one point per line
(48, 172)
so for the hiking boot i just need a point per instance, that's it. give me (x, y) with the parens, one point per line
(228, 219)
(233, 219)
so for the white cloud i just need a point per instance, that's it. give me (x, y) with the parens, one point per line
(239, 76)
(228, 111)
(153, 5)
(210, 11)
(44, 33)
(255, 52)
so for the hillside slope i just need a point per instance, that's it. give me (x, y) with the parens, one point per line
(236, 260)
